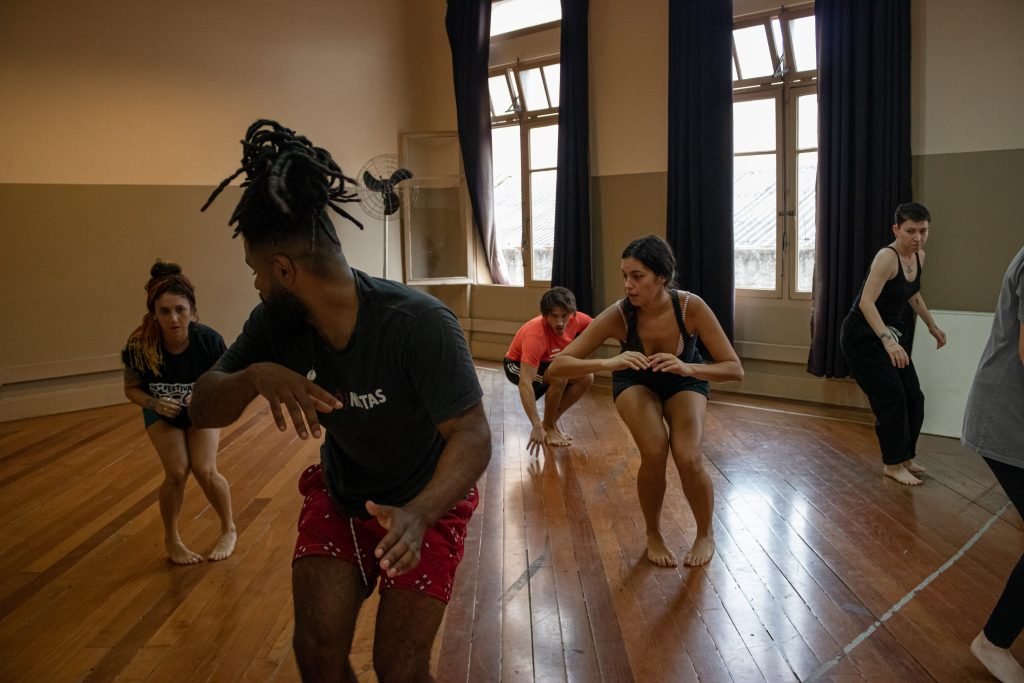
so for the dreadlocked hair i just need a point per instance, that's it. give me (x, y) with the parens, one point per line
(289, 184)
(144, 343)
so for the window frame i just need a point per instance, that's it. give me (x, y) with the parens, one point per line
(785, 85)
(527, 120)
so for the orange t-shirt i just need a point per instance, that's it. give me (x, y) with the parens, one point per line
(537, 343)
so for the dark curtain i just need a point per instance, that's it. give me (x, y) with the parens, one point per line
(863, 155)
(572, 264)
(699, 226)
(469, 26)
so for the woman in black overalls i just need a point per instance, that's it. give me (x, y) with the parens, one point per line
(658, 378)
(870, 342)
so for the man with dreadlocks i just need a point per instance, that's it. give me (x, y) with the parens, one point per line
(387, 373)
(163, 358)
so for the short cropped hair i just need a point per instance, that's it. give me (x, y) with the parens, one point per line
(911, 211)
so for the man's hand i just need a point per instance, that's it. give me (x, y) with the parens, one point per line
(281, 386)
(399, 550)
(537, 437)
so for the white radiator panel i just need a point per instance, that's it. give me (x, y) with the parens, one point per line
(946, 374)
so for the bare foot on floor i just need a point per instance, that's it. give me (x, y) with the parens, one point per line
(900, 474)
(999, 662)
(701, 551)
(914, 468)
(658, 553)
(553, 437)
(179, 554)
(225, 546)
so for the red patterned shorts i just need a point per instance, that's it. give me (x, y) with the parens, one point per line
(326, 532)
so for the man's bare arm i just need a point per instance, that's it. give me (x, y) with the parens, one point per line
(466, 454)
(218, 398)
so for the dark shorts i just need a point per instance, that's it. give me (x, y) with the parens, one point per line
(326, 532)
(664, 384)
(540, 387)
(151, 416)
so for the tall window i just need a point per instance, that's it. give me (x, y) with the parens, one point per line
(524, 135)
(775, 142)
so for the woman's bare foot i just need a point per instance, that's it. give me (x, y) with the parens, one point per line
(701, 551)
(999, 662)
(900, 474)
(553, 437)
(179, 554)
(225, 546)
(658, 553)
(914, 468)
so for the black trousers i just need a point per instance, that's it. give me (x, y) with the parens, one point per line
(1007, 619)
(894, 393)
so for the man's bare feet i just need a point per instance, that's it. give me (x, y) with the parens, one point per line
(701, 551)
(658, 553)
(179, 554)
(553, 437)
(900, 474)
(914, 468)
(225, 546)
(999, 662)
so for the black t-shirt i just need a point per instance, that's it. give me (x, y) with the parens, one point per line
(405, 370)
(178, 372)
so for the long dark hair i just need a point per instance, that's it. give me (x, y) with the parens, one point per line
(656, 255)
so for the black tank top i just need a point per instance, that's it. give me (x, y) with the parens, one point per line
(686, 350)
(892, 300)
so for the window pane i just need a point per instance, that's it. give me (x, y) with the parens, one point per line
(752, 50)
(512, 15)
(801, 33)
(533, 89)
(542, 220)
(552, 73)
(807, 121)
(780, 47)
(753, 126)
(508, 201)
(437, 236)
(754, 220)
(501, 99)
(543, 147)
(807, 173)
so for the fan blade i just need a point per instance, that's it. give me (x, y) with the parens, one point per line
(373, 184)
(390, 203)
(400, 175)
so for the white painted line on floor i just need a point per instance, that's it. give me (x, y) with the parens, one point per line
(824, 668)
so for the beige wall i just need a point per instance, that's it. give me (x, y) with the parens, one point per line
(122, 116)
(958, 76)
(967, 86)
(968, 145)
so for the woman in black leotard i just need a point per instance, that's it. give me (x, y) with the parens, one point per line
(870, 342)
(658, 378)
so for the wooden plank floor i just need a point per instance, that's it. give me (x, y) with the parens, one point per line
(814, 546)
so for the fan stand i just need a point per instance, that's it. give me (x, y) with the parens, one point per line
(384, 269)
